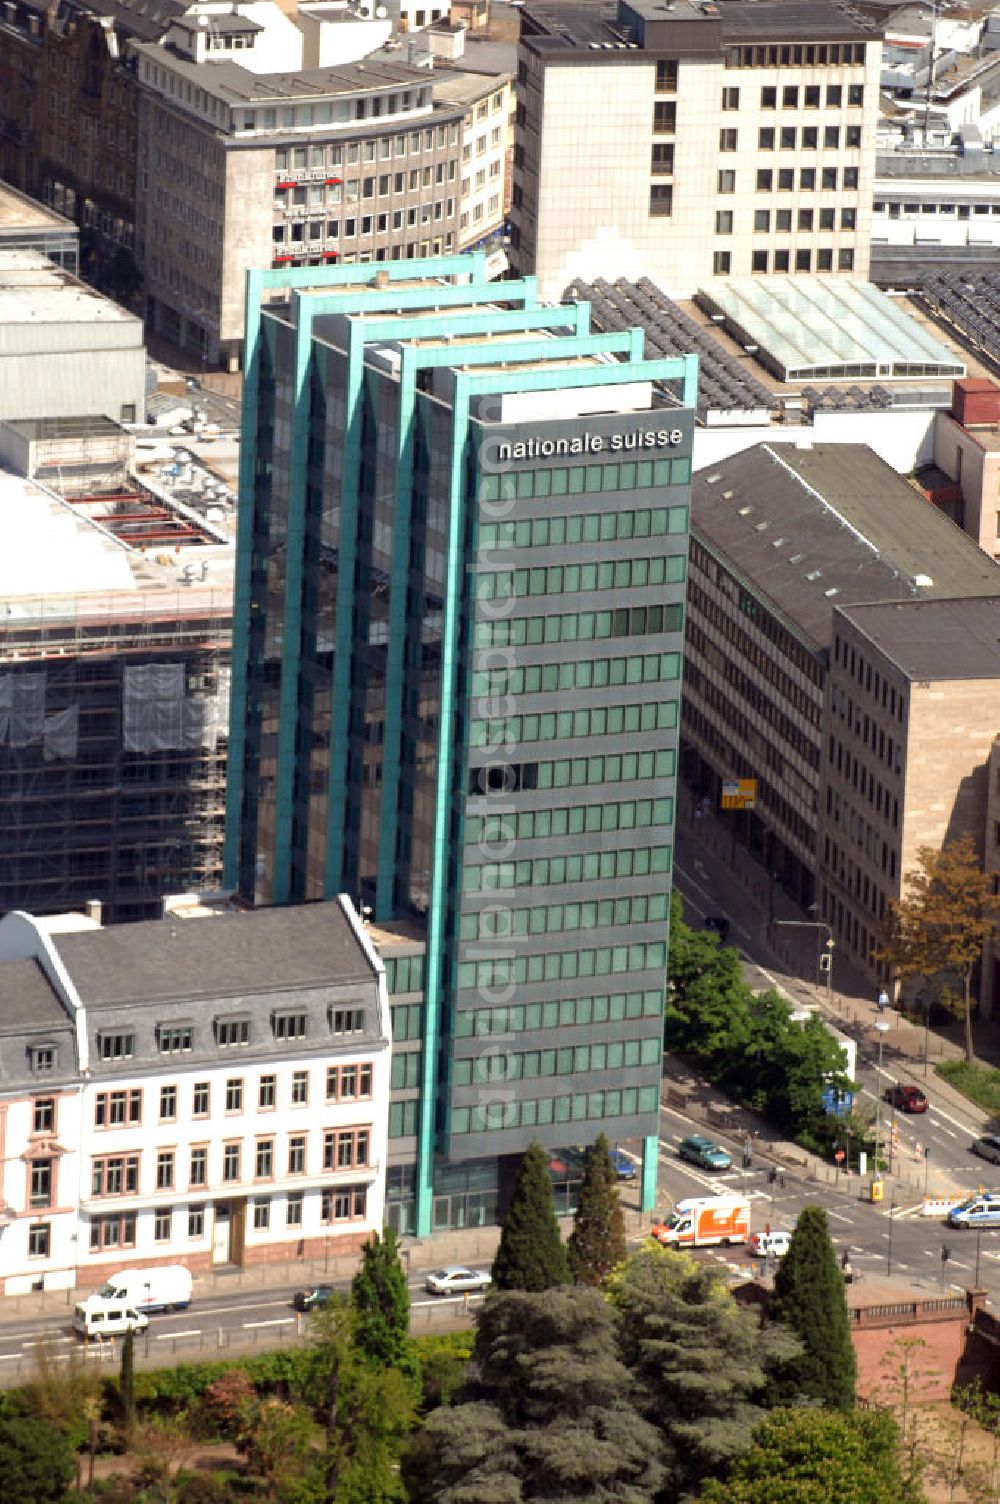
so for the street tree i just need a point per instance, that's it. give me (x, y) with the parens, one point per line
(531, 1255)
(700, 1360)
(597, 1242)
(808, 1456)
(941, 923)
(381, 1303)
(707, 1014)
(809, 1298)
(36, 1463)
(551, 1413)
(793, 1063)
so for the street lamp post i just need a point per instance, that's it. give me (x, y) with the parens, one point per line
(826, 959)
(883, 1029)
(979, 1241)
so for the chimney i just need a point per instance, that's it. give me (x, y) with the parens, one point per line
(92, 909)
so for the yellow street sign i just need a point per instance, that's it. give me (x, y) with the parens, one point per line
(739, 793)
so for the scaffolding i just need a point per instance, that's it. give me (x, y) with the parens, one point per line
(113, 738)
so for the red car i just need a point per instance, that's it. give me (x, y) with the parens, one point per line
(906, 1098)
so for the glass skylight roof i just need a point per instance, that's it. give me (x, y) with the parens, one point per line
(806, 328)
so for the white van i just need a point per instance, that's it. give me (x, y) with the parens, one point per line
(166, 1287)
(96, 1317)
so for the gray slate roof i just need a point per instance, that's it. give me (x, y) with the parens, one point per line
(933, 640)
(833, 525)
(27, 1000)
(164, 960)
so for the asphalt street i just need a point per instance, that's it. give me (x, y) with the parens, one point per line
(881, 1239)
(707, 888)
(209, 1327)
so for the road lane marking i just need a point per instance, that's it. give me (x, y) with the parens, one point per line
(194, 1332)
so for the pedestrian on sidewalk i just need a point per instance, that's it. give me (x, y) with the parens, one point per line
(882, 1001)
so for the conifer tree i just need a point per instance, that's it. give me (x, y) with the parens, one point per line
(381, 1303)
(550, 1414)
(126, 1382)
(597, 1242)
(700, 1360)
(809, 1299)
(531, 1255)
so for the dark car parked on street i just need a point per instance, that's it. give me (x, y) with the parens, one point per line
(313, 1298)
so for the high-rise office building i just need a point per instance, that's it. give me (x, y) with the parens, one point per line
(721, 140)
(460, 595)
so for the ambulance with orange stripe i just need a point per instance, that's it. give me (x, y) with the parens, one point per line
(702, 1221)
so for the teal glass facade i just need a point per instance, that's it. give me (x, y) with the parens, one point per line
(457, 683)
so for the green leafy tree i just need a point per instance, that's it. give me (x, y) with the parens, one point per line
(597, 1243)
(808, 1456)
(809, 1298)
(36, 1463)
(381, 1303)
(276, 1442)
(369, 1410)
(700, 1361)
(531, 1255)
(708, 1003)
(126, 1383)
(550, 1415)
(792, 1064)
(942, 921)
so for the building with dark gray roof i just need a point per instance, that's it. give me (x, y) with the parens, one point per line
(779, 539)
(207, 1090)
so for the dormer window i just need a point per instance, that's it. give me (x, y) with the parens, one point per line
(116, 1046)
(232, 1032)
(174, 1039)
(43, 1057)
(347, 1020)
(288, 1025)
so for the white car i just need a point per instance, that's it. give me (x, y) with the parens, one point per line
(770, 1244)
(456, 1279)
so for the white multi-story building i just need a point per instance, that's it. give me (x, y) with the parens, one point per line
(206, 1092)
(685, 142)
(486, 147)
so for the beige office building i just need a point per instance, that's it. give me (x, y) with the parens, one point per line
(685, 142)
(913, 707)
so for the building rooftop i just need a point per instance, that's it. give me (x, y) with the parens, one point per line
(233, 84)
(33, 290)
(19, 212)
(592, 26)
(831, 525)
(308, 945)
(806, 328)
(724, 383)
(145, 19)
(463, 87)
(935, 639)
(27, 999)
(66, 558)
